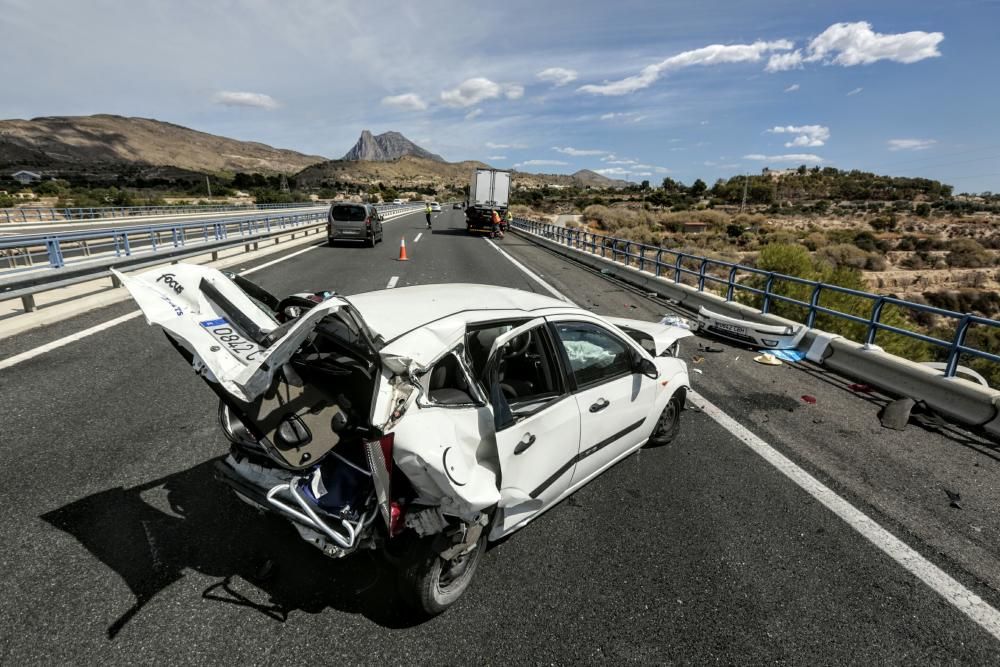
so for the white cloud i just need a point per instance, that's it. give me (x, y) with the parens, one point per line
(715, 54)
(490, 144)
(406, 101)
(472, 114)
(475, 90)
(620, 161)
(625, 116)
(541, 163)
(780, 62)
(910, 144)
(497, 157)
(854, 92)
(513, 91)
(612, 171)
(557, 76)
(578, 151)
(789, 157)
(808, 136)
(792, 88)
(850, 44)
(232, 98)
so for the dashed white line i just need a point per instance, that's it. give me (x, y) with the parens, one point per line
(418, 237)
(392, 282)
(934, 577)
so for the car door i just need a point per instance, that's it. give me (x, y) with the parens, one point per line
(613, 398)
(536, 420)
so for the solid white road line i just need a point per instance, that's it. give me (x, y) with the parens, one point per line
(531, 274)
(418, 237)
(72, 338)
(48, 347)
(934, 577)
(944, 585)
(392, 282)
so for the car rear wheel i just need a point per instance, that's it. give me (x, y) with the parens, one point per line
(371, 240)
(430, 584)
(669, 423)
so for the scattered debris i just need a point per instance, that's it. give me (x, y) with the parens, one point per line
(806, 398)
(817, 420)
(861, 388)
(709, 348)
(631, 305)
(265, 571)
(767, 359)
(698, 371)
(896, 414)
(677, 321)
(955, 497)
(652, 295)
(696, 359)
(788, 355)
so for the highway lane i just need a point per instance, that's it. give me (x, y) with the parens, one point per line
(119, 547)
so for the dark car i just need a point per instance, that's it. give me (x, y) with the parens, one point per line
(354, 222)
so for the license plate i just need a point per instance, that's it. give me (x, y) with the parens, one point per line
(229, 339)
(350, 232)
(731, 328)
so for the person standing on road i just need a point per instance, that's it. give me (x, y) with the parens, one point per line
(508, 217)
(427, 212)
(497, 225)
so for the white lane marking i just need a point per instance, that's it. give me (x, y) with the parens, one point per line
(934, 577)
(939, 581)
(418, 237)
(279, 260)
(531, 274)
(48, 347)
(97, 328)
(392, 282)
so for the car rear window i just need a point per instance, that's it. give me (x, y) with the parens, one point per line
(349, 213)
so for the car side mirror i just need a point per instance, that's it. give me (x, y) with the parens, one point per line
(647, 368)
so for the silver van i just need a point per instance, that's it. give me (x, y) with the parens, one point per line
(354, 222)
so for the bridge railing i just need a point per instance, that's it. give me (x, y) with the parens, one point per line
(64, 214)
(730, 281)
(58, 250)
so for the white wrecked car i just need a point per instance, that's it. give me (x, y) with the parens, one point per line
(420, 421)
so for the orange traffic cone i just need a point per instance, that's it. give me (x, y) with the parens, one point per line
(402, 250)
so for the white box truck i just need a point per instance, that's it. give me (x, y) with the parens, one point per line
(488, 191)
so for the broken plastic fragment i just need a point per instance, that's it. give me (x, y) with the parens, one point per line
(806, 398)
(895, 415)
(861, 388)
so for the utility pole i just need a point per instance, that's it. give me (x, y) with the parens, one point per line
(284, 184)
(208, 186)
(746, 182)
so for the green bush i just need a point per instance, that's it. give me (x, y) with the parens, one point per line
(968, 253)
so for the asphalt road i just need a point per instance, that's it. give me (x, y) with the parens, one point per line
(118, 547)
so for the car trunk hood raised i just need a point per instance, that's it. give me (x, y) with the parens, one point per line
(234, 339)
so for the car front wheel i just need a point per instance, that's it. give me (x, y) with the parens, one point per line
(669, 423)
(431, 584)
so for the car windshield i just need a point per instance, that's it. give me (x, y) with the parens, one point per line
(349, 213)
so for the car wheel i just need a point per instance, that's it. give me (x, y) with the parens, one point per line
(430, 584)
(669, 423)
(371, 240)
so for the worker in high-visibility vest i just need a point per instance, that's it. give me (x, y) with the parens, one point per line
(427, 212)
(508, 218)
(497, 224)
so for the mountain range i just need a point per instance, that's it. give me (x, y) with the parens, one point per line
(110, 148)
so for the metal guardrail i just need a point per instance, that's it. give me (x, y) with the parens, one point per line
(699, 269)
(58, 250)
(55, 214)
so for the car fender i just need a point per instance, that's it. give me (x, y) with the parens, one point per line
(673, 378)
(448, 454)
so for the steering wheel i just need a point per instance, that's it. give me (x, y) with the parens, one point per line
(521, 342)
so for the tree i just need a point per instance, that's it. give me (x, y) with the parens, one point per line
(697, 188)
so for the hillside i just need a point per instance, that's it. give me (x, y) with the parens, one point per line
(409, 171)
(385, 147)
(103, 143)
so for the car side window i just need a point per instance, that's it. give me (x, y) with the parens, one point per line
(525, 377)
(595, 355)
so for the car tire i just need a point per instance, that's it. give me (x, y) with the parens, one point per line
(429, 584)
(371, 241)
(669, 423)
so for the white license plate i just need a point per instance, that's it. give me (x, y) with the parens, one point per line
(229, 339)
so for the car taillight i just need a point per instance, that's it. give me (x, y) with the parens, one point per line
(368, 222)
(386, 442)
(396, 523)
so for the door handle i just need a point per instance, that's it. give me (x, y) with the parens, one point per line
(600, 405)
(528, 441)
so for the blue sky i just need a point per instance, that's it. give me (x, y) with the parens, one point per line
(631, 89)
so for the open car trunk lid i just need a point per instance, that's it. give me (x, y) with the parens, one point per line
(286, 382)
